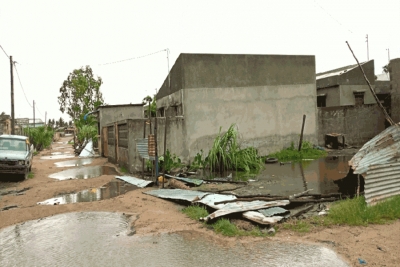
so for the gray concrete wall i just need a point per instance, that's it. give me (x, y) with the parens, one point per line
(268, 117)
(332, 95)
(347, 94)
(110, 114)
(359, 124)
(394, 69)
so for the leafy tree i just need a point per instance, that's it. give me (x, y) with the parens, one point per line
(80, 93)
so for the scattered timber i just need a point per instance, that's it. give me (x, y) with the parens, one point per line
(313, 200)
(224, 181)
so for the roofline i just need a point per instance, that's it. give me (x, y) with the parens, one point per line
(222, 54)
(122, 105)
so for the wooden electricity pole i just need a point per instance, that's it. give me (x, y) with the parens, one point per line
(33, 113)
(12, 97)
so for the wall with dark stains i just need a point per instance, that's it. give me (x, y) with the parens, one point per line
(359, 124)
(394, 69)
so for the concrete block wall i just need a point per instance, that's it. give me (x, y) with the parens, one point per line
(394, 69)
(359, 124)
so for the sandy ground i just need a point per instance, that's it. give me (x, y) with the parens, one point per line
(378, 245)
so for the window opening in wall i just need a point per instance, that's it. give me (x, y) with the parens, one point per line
(359, 98)
(321, 100)
(161, 112)
(176, 110)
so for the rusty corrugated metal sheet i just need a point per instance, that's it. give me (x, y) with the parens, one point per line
(378, 161)
(210, 200)
(135, 181)
(187, 180)
(142, 146)
(179, 194)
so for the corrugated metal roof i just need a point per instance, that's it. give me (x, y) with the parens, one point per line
(135, 181)
(179, 194)
(209, 200)
(187, 180)
(378, 161)
(272, 211)
(143, 149)
(260, 218)
(242, 206)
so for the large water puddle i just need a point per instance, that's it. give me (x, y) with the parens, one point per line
(109, 190)
(58, 156)
(294, 177)
(74, 163)
(102, 239)
(84, 172)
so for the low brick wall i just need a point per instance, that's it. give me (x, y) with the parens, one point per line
(358, 124)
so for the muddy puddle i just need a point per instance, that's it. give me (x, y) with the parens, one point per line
(58, 156)
(107, 191)
(74, 163)
(84, 172)
(294, 177)
(102, 239)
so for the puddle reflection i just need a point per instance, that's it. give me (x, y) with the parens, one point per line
(101, 239)
(74, 163)
(109, 190)
(84, 172)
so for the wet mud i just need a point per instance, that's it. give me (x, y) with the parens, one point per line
(103, 238)
(84, 172)
(107, 191)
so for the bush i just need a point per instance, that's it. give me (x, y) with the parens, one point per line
(291, 153)
(41, 137)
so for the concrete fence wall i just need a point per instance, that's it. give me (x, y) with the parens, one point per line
(358, 124)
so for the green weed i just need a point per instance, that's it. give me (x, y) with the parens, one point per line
(195, 212)
(31, 175)
(355, 212)
(225, 227)
(297, 226)
(291, 153)
(123, 169)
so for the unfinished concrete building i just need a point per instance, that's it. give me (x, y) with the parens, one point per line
(264, 95)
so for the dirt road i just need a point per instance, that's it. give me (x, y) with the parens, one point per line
(378, 245)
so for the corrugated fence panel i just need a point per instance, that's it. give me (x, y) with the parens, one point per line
(142, 147)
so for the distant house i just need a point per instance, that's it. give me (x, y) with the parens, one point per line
(345, 86)
(5, 124)
(394, 70)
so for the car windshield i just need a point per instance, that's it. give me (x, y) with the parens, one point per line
(13, 144)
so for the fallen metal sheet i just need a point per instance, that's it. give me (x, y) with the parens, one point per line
(88, 150)
(241, 206)
(135, 181)
(187, 180)
(210, 199)
(378, 162)
(273, 211)
(260, 218)
(180, 194)
(142, 146)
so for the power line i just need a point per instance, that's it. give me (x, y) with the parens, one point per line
(4, 51)
(332, 16)
(133, 58)
(21, 84)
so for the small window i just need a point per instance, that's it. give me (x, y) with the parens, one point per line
(321, 101)
(161, 112)
(359, 98)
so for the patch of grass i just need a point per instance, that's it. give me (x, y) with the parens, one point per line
(31, 175)
(355, 212)
(225, 227)
(297, 226)
(291, 153)
(195, 212)
(70, 142)
(123, 169)
(35, 153)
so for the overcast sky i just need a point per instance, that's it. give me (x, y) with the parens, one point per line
(48, 39)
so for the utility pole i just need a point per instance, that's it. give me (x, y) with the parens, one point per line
(367, 48)
(12, 97)
(33, 113)
(388, 55)
(45, 118)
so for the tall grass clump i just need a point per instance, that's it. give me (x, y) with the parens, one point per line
(86, 132)
(307, 151)
(195, 212)
(226, 154)
(41, 137)
(356, 212)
